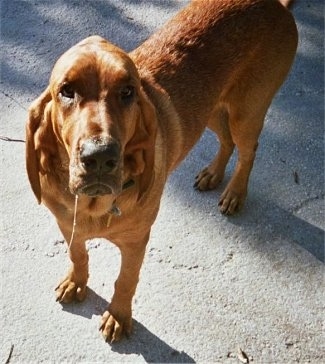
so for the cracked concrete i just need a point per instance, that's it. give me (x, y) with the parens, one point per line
(212, 288)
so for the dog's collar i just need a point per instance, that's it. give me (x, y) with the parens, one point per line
(114, 210)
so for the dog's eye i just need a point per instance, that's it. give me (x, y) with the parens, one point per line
(67, 91)
(127, 93)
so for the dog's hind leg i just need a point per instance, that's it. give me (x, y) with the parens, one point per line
(245, 133)
(212, 175)
(236, 126)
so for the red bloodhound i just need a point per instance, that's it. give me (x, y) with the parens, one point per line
(110, 127)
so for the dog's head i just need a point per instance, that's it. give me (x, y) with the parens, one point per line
(96, 111)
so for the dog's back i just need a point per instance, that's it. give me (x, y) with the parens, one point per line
(221, 62)
(205, 48)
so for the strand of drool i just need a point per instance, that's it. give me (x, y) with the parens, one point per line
(74, 222)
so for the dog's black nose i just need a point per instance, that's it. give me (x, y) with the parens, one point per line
(99, 155)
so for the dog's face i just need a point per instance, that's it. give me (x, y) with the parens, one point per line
(95, 89)
(99, 113)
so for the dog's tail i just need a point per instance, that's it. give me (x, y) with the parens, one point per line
(286, 3)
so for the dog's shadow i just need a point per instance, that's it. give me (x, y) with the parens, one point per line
(153, 349)
(142, 341)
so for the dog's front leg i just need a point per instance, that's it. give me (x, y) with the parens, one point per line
(74, 286)
(117, 320)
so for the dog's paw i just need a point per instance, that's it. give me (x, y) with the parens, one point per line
(114, 329)
(68, 291)
(207, 180)
(231, 201)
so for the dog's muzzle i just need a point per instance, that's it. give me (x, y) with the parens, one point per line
(100, 163)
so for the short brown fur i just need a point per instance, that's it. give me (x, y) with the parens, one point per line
(215, 64)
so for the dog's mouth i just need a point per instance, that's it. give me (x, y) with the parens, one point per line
(94, 187)
(95, 190)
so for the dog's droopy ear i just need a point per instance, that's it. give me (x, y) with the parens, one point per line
(140, 150)
(40, 144)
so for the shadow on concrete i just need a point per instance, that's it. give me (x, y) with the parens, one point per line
(150, 347)
(142, 341)
(285, 225)
(93, 305)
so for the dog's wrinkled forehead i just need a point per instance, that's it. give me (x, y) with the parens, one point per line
(94, 59)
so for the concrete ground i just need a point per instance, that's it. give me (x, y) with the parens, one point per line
(210, 285)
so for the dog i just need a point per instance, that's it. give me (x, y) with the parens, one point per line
(104, 136)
